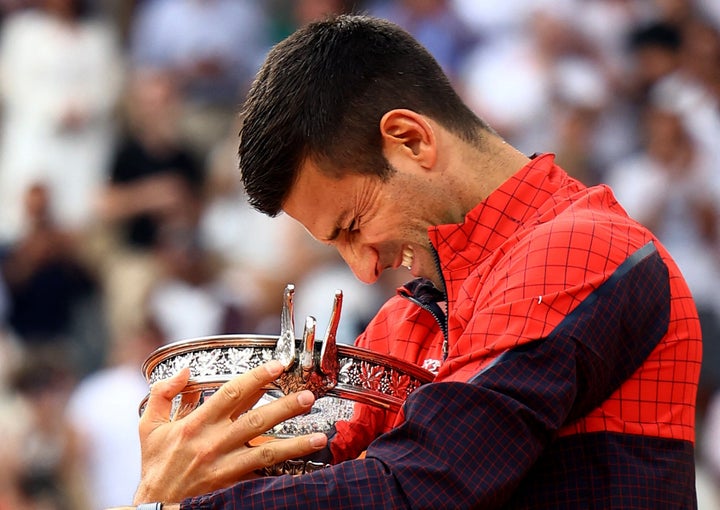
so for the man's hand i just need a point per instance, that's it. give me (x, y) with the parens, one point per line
(208, 449)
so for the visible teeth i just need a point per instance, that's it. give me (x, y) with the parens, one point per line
(408, 256)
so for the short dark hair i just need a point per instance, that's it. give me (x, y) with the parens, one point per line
(321, 94)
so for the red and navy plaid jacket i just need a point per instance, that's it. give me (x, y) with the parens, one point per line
(570, 352)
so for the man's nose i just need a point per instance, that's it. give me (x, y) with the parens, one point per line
(362, 261)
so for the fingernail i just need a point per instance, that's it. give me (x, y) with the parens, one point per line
(318, 440)
(305, 398)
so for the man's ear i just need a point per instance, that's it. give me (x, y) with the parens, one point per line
(410, 134)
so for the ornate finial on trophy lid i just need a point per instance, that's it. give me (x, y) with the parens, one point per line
(315, 367)
(329, 352)
(285, 348)
(307, 354)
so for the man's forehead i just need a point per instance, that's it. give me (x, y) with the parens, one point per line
(319, 202)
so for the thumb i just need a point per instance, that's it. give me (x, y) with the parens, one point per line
(159, 404)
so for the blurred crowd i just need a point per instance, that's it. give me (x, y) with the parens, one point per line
(123, 224)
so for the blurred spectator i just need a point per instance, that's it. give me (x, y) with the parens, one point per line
(580, 99)
(655, 50)
(510, 80)
(50, 476)
(190, 299)
(59, 82)
(701, 54)
(493, 20)
(154, 180)
(694, 89)
(103, 408)
(710, 445)
(436, 24)
(14, 422)
(678, 65)
(285, 16)
(606, 26)
(48, 281)
(152, 172)
(658, 68)
(213, 49)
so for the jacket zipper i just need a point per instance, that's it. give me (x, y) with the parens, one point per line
(434, 308)
(444, 320)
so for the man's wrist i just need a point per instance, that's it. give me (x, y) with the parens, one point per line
(149, 506)
(153, 506)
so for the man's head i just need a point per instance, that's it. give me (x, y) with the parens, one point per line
(353, 129)
(321, 94)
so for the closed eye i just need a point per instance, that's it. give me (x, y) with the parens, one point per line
(354, 226)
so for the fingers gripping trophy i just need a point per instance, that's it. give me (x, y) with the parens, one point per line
(339, 377)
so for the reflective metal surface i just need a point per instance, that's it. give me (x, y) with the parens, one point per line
(338, 375)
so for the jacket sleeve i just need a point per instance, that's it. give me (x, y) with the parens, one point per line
(470, 444)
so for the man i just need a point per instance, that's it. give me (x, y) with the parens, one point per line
(565, 341)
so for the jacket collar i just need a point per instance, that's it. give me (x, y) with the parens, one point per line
(498, 217)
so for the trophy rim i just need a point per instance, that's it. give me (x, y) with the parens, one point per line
(194, 344)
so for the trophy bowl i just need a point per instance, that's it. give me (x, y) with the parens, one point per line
(339, 375)
(363, 376)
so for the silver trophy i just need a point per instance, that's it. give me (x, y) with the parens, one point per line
(338, 375)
